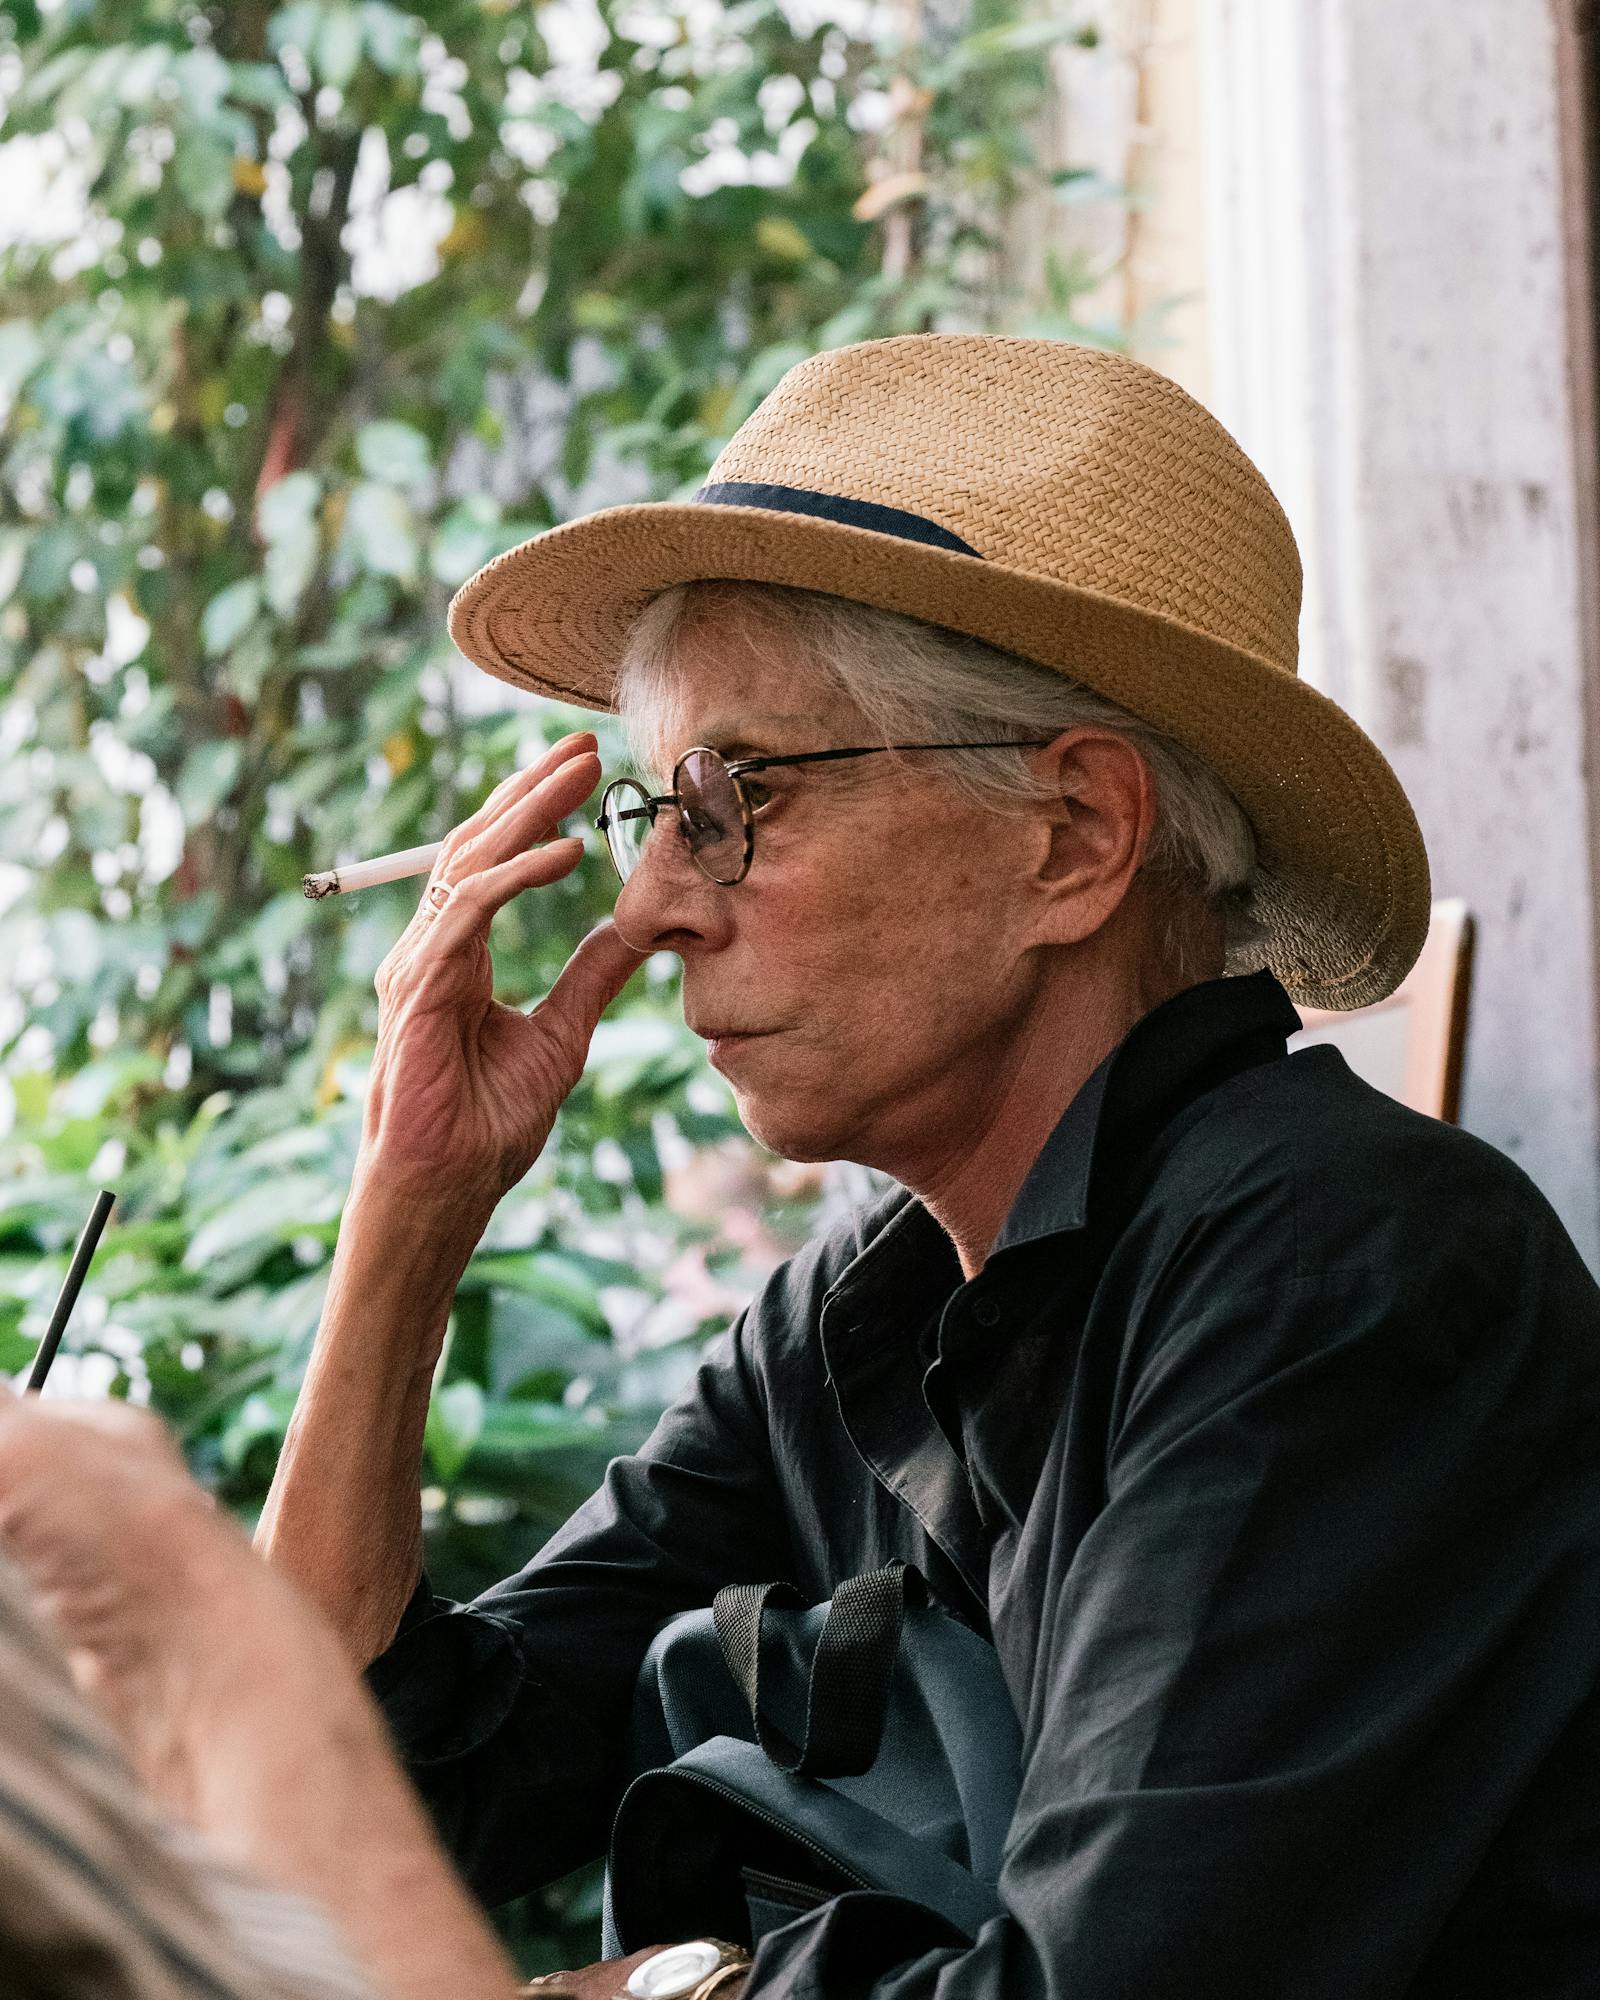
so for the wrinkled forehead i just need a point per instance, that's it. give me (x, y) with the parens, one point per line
(710, 666)
(660, 730)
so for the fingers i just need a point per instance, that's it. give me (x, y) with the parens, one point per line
(526, 810)
(532, 808)
(578, 742)
(590, 980)
(464, 910)
(528, 816)
(511, 791)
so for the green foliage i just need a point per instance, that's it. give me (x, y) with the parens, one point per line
(245, 456)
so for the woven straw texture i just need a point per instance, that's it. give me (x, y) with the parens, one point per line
(1125, 540)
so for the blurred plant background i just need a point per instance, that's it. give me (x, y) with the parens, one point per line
(313, 309)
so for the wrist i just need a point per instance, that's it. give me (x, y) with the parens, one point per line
(407, 1242)
(702, 1969)
(727, 1984)
(439, 1205)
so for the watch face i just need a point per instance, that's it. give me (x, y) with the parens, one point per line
(677, 1970)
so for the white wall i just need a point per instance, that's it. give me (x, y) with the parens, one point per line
(1386, 228)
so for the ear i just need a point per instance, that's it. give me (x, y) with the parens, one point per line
(1091, 841)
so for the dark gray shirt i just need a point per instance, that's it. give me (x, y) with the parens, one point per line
(1266, 1447)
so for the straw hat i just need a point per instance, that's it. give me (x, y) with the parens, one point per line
(1061, 502)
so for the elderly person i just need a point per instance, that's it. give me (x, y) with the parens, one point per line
(1255, 1418)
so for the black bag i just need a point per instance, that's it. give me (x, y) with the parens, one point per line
(789, 1754)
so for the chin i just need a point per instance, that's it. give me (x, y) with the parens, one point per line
(790, 1136)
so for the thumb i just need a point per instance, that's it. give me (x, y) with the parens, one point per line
(591, 979)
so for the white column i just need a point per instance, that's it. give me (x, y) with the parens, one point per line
(1275, 228)
(1390, 341)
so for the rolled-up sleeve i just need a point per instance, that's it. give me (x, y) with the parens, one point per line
(511, 1712)
(1337, 1608)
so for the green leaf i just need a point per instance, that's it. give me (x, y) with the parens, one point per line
(1016, 37)
(261, 1419)
(16, 1349)
(465, 539)
(393, 452)
(543, 1274)
(202, 169)
(204, 81)
(138, 73)
(454, 1425)
(47, 565)
(295, 26)
(280, 1207)
(599, 312)
(261, 85)
(287, 517)
(290, 565)
(77, 949)
(338, 47)
(517, 1428)
(104, 1083)
(380, 532)
(209, 773)
(26, 19)
(391, 38)
(13, 553)
(230, 612)
(21, 351)
(288, 504)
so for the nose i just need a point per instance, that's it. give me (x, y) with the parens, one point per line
(667, 903)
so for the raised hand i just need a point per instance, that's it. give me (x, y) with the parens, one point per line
(464, 1090)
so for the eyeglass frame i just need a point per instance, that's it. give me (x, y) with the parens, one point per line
(736, 768)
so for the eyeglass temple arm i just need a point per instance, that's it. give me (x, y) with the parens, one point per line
(743, 764)
(874, 750)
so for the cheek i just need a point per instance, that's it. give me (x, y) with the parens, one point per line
(890, 950)
(898, 996)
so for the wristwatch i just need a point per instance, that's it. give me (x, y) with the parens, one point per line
(694, 1971)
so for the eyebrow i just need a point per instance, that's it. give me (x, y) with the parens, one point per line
(733, 740)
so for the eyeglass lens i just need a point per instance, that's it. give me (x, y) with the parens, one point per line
(711, 820)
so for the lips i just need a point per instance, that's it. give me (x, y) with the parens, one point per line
(725, 1049)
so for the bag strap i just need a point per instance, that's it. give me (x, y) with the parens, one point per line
(847, 1698)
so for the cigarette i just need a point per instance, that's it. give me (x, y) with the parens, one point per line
(368, 874)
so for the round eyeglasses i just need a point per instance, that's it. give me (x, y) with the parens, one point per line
(716, 816)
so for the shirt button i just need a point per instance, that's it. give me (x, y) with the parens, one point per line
(986, 1312)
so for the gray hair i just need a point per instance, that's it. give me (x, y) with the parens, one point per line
(919, 683)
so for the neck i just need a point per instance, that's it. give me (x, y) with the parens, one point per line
(969, 1186)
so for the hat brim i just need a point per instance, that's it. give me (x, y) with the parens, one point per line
(1345, 890)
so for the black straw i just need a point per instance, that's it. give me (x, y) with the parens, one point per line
(72, 1284)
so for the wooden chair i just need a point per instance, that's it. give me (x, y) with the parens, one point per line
(1411, 1044)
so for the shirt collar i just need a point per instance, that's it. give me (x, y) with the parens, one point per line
(1173, 1055)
